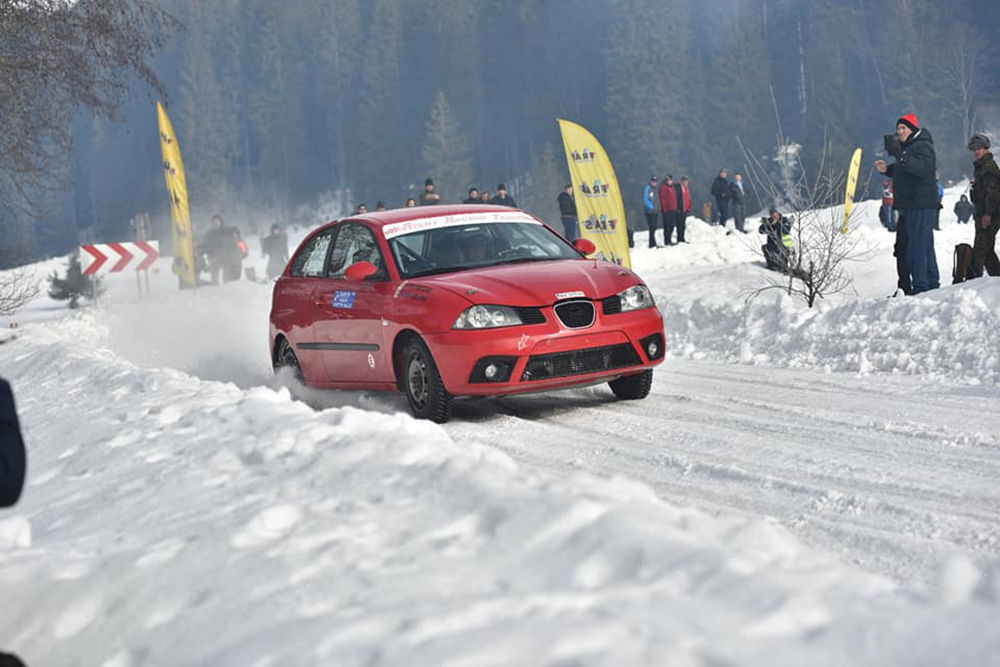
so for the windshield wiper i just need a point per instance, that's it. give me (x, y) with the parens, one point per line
(440, 269)
(519, 260)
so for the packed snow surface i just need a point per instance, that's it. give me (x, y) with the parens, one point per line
(803, 486)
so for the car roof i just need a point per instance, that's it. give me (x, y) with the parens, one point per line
(382, 218)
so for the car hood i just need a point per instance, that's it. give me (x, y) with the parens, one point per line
(536, 283)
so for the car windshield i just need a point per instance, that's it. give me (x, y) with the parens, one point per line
(473, 246)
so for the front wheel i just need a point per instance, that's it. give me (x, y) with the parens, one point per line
(633, 387)
(422, 383)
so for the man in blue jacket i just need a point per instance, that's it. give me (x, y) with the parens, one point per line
(916, 199)
(651, 205)
(11, 449)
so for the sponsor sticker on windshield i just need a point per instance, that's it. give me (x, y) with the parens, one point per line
(440, 221)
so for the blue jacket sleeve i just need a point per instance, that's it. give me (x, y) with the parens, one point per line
(12, 457)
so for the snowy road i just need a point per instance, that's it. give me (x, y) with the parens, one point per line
(801, 487)
(876, 470)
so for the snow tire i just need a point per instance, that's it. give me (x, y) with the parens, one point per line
(425, 391)
(633, 387)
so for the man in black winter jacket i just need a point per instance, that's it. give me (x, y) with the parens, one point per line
(986, 202)
(722, 194)
(501, 198)
(916, 198)
(12, 458)
(567, 211)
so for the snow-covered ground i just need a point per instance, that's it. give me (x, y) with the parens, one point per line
(801, 487)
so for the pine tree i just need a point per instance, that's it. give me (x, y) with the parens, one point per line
(445, 154)
(380, 109)
(75, 285)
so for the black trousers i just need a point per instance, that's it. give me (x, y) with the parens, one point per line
(738, 216)
(682, 224)
(652, 221)
(669, 222)
(985, 247)
(902, 262)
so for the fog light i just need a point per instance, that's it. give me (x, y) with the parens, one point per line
(652, 349)
(491, 371)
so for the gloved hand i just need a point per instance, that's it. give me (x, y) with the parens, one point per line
(986, 221)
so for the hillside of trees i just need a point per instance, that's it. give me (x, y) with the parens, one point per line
(279, 105)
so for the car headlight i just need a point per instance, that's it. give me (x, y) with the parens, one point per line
(636, 297)
(487, 317)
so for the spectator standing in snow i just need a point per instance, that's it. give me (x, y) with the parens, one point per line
(778, 229)
(484, 197)
(473, 197)
(722, 194)
(429, 197)
(681, 219)
(986, 202)
(886, 214)
(410, 202)
(274, 246)
(739, 199)
(651, 207)
(12, 456)
(379, 205)
(964, 210)
(502, 198)
(686, 204)
(219, 247)
(360, 209)
(668, 202)
(567, 211)
(915, 197)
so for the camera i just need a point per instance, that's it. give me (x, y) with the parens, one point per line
(893, 146)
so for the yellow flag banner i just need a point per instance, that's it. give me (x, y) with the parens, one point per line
(598, 197)
(173, 170)
(852, 185)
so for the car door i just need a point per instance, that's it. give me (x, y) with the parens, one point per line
(293, 309)
(348, 326)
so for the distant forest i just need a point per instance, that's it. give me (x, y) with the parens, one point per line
(280, 106)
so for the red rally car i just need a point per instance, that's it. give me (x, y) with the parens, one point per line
(471, 300)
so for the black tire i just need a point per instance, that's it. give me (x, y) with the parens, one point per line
(633, 387)
(422, 384)
(285, 358)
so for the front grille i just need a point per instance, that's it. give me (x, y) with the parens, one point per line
(530, 315)
(580, 362)
(612, 305)
(575, 314)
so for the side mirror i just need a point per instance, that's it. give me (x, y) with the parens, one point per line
(586, 246)
(359, 271)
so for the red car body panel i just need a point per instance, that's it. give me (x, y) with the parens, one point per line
(352, 348)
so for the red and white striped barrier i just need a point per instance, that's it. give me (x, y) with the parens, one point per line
(94, 258)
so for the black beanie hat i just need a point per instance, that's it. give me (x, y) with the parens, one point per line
(429, 181)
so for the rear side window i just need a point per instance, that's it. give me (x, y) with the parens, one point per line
(311, 259)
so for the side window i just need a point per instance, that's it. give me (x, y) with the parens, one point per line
(355, 243)
(310, 260)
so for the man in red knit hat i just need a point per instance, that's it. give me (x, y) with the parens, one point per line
(916, 198)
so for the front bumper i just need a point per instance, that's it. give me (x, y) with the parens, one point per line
(541, 357)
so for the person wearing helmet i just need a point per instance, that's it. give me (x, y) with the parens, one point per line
(985, 195)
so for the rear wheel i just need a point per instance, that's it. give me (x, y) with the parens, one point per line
(286, 359)
(634, 386)
(422, 383)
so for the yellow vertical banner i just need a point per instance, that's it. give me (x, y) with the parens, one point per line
(598, 198)
(852, 185)
(173, 170)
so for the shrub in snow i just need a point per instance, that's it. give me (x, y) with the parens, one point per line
(75, 285)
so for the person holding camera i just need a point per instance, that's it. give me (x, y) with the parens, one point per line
(777, 250)
(916, 199)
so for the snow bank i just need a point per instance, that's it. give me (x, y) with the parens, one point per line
(705, 291)
(175, 521)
